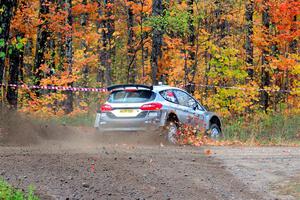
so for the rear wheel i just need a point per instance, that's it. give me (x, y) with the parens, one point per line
(215, 132)
(171, 132)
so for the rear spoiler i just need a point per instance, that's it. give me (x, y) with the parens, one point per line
(124, 86)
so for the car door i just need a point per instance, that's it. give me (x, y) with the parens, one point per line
(186, 107)
(199, 120)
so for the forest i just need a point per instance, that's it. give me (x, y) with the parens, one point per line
(238, 57)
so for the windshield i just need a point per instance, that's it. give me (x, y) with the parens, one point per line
(138, 96)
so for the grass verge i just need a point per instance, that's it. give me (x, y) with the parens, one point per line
(255, 129)
(264, 129)
(7, 192)
(82, 119)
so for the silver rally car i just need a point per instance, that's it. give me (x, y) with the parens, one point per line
(133, 107)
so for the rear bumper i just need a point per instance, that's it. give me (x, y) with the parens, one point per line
(152, 121)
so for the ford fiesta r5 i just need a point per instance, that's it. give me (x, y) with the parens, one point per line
(134, 107)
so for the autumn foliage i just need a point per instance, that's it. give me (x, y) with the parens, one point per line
(87, 43)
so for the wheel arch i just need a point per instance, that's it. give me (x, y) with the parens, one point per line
(215, 120)
(172, 117)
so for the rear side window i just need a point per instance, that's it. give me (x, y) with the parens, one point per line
(168, 95)
(138, 96)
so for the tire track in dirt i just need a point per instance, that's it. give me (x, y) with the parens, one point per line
(63, 170)
(77, 163)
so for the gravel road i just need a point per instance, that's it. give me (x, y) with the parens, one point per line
(81, 166)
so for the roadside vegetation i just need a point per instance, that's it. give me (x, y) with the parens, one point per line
(7, 192)
(255, 129)
(264, 129)
(239, 58)
(274, 128)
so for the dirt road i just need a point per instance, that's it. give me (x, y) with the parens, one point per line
(85, 167)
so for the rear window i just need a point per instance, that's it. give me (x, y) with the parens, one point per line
(138, 96)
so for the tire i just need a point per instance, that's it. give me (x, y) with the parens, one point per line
(215, 132)
(171, 132)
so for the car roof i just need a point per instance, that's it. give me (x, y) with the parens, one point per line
(155, 88)
(158, 88)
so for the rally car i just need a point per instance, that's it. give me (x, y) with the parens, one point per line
(134, 107)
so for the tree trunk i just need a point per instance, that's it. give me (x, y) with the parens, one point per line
(293, 50)
(7, 7)
(294, 43)
(157, 41)
(207, 57)
(68, 104)
(15, 63)
(107, 49)
(142, 39)
(132, 71)
(52, 57)
(197, 50)
(192, 38)
(265, 76)
(249, 36)
(110, 38)
(41, 43)
(60, 40)
(216, 27)
(100, 71)
(28, 52)
(84, 46)
(61, 53)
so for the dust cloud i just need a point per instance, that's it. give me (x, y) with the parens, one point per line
(17, 129)
(21, 129)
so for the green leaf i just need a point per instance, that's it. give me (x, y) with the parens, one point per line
(19, 46)
(2, 55)
(2, 43)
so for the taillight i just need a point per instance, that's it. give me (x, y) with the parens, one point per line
(151, 106)
(106, 108)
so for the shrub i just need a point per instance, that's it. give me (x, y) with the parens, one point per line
(9, 193)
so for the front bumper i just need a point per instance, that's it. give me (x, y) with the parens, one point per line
(152, 120)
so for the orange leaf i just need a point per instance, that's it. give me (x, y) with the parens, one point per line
(207, 152)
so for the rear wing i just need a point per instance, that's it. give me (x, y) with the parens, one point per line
(125, 86)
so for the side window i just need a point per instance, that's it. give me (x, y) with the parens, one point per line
(168, 95)
(184, 99)
(200, 107)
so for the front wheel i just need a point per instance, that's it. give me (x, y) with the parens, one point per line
(215, 132)
(171, 132)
